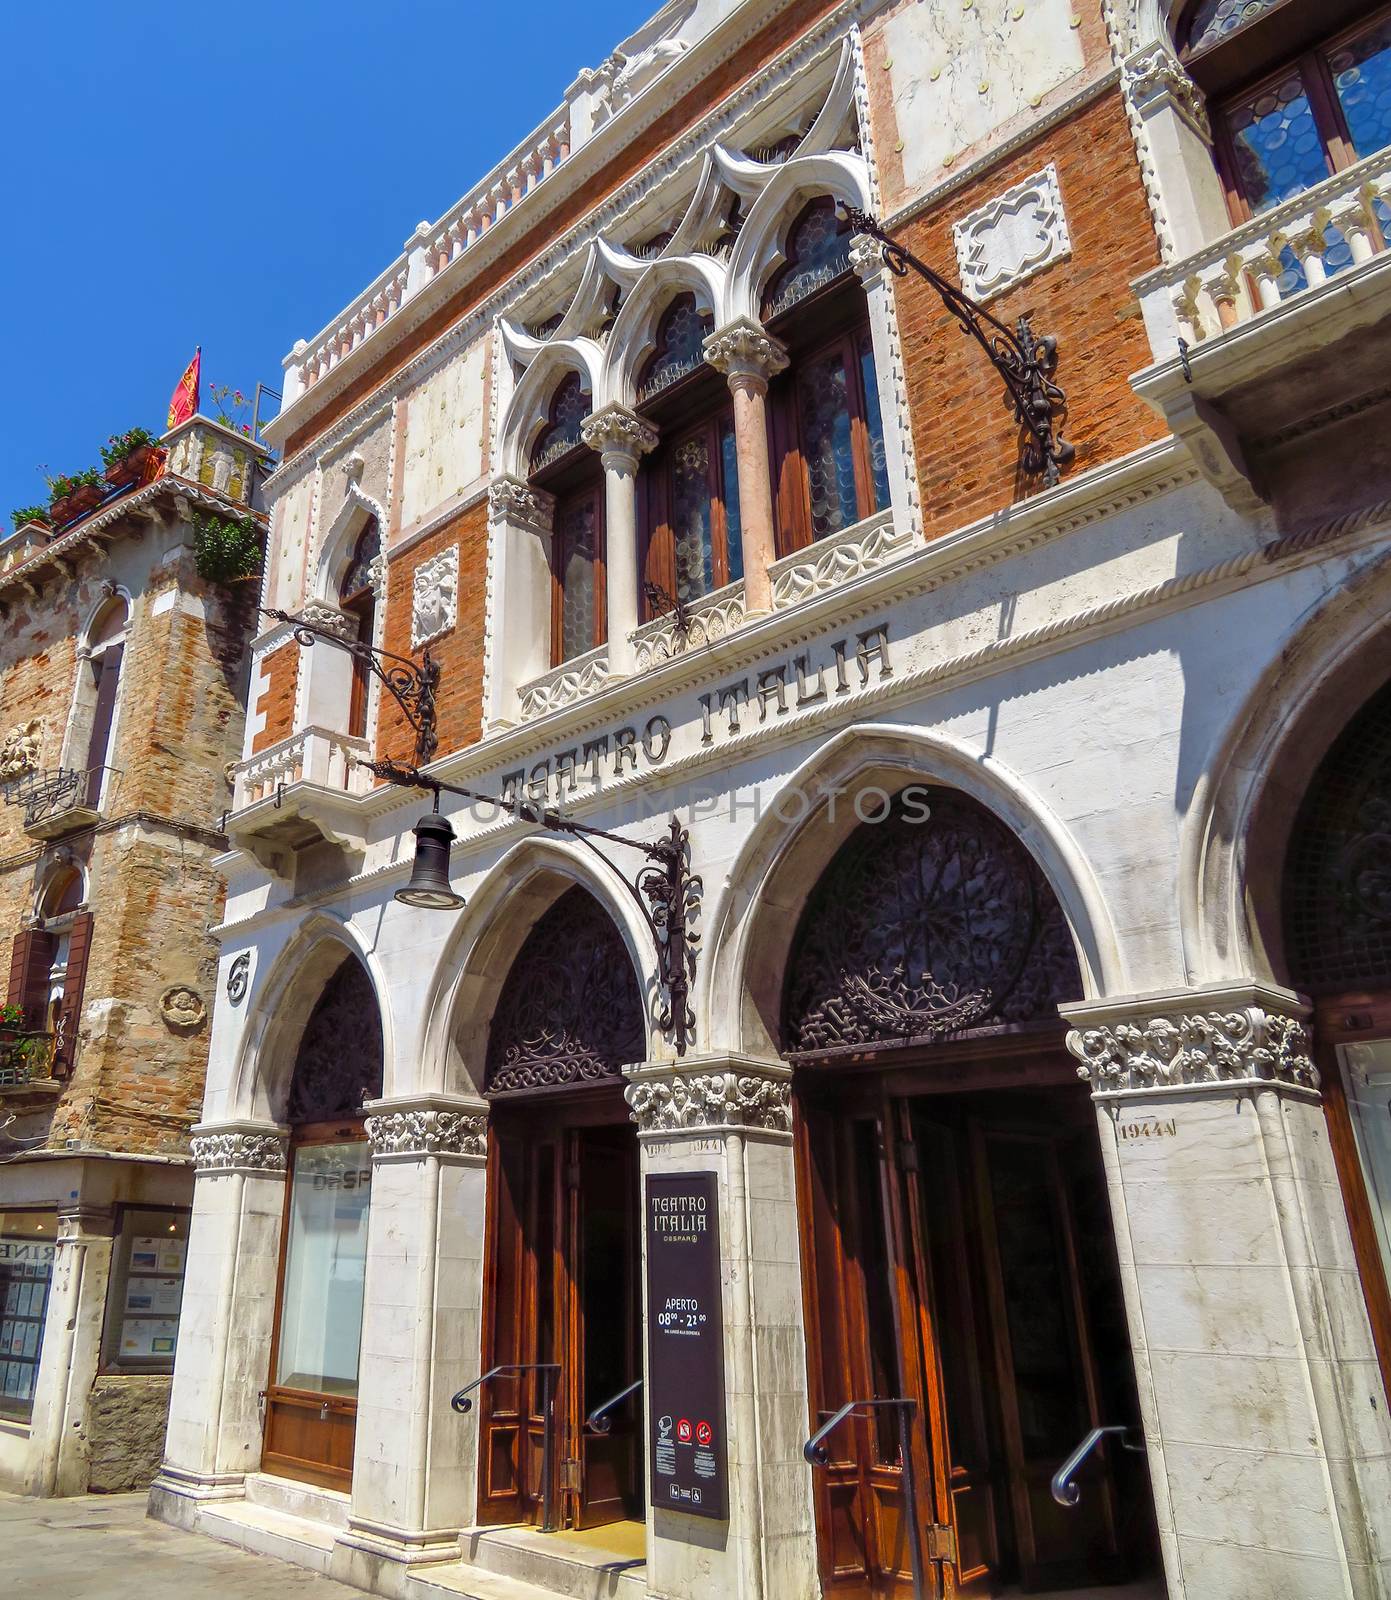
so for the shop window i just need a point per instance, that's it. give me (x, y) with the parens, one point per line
(26, 1270)
(146, 1291)
(358, 599)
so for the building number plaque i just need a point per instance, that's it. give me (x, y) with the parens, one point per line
(685, 1344)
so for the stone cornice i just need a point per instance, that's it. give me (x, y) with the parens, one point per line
(220, 1148)
(711, 1092)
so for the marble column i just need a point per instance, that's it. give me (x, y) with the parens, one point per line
(622, 438)
(225, 1323)
(414, 1459)
(733, 1115)
(867, 259)
(519, 577)
(749, 357)
(1263, 1407)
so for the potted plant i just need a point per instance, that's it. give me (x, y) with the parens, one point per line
(125, 456)
(73, 495)
(227, 550)
(23, 1055)
(30, 517)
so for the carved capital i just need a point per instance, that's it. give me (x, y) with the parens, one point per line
(239, 1150)
(742, 349)
(620, 436)
(667, 1100)
(866, 257)
(428, 1131)
(328, 617)
(1154, 76)
(513, 500)
(1231, 1035)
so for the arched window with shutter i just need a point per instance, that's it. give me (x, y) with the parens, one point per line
(48, 968)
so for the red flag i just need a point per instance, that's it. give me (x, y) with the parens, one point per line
(183, 403)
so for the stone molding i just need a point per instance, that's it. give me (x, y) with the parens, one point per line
(570, 682)
(434, 1127)
(246, 1147)
(619, 433)
(1017, 234)
(711, 617)
(434, 596)
(328, 617)
(744, 349)
(1232, 1035)
(1154, 75)
(727, 1093)
(512, 500)
(837, 560)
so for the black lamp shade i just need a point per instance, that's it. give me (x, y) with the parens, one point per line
(429, 885)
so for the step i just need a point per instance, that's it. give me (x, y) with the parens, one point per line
(460, 1581)
(295, 1499)
(578, 1566)
(298, 1540)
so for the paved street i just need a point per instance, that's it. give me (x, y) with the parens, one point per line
(103, 1547)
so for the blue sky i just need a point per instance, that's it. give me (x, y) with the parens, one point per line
(180, 174)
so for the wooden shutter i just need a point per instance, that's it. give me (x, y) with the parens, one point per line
(107, 668)
(70, 1010)
(31, 955)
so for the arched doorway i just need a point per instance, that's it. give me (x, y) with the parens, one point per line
(562, 1307)
(1336, 929)
(957, 1242)
(311, 1398)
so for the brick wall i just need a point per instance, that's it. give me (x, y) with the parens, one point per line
(276, 701)
(966, 442)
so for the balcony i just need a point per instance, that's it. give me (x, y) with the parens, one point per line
(26, 1066)
(58, 800)
(1274, 330)
(298, 793)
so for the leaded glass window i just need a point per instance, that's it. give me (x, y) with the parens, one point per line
(823, 400)
(691, 512)
(818, 252)
(578, 619)
(681, 335)
(570, 405)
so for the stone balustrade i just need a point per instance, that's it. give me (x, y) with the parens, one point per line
(709, 618)
(572, 680)
(428, 252)
(313, 755)
(1286, 251)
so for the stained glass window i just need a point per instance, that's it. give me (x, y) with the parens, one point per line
(577, 534)
(1361, 71)
(681, 335)
(570, 405)
(691, 517)
(818, 252)
(691, 512)
(359, 574)
(823, 399)
(1276, 143)
(1213, 20)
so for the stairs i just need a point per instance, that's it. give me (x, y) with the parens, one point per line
(522, 1564)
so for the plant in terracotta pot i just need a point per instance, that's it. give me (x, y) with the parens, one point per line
(125, 456)
(74, 494)
(26, 516)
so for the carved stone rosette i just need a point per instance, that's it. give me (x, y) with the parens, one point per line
(682, 1100)
(1171, 1047)
(427, 1133)
(512, 500)
(620, 436)
(239, 1150)
(742, 349)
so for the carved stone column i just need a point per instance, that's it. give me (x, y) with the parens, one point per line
(414, 1459)
(1262, 1404)
(225, 1325)
(733, 1115)
(749, 357)
(519, 580)
(622, 438)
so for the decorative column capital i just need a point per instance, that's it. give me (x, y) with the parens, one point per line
(221, 1148)
(745, 352)
(714, 1092)
(1227, 1036)
(621, 437)
(1154, 77)
(866, 258)
(514, 500)
(341, 624)
(426, 1125)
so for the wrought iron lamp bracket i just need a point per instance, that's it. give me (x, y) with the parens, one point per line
(412, 684)
(664, 604)
(1025, 361)
(664, 890)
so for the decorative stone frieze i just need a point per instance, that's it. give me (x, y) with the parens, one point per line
(1238, 1035)
(743, 349)
(711, 618)
(1006, 241)
(837, 560)
(435, 597)
(424, 1129)
(729, 1095)
(328, 617)
(513, 500)
(573, 680)
(620, 436)
(239, 1150)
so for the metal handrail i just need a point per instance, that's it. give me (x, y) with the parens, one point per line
(599, 1419)
(816, 1455)
(462, 1402)
(1066, 1490)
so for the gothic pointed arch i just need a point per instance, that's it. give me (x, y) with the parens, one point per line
(929, 923)
(570, 1010)
(338, 1064)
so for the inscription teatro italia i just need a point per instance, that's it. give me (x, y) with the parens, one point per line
(762, 696)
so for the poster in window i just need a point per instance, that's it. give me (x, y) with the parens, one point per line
(144, 1254)
(153, 1296)
(146, 1339)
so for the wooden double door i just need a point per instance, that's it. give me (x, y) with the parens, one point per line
(562, 1287)
(959, 1253)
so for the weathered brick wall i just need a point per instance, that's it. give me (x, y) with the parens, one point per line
(459, 652)
(277, 676)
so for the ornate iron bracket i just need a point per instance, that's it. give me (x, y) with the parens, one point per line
(412, 685)
(664, 604)
(666, 892)
(1025, 362)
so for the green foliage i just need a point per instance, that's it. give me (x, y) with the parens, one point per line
(120, 445)
(68, 483)
(22, 514)
(231, 408)
(11, 1017)
(226, 550)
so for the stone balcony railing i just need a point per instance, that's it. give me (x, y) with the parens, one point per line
(313, 755)
(428, 252)
(709, 618)
(572, 680)
(1286, 251)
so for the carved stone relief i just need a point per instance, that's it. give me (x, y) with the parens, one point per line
(1013, 236)
(435, 597)
(21, 750)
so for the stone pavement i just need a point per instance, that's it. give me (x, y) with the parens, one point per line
(102, 1547)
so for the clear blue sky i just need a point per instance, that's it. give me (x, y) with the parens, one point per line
(180, 174)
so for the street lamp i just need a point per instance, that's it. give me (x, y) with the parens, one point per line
(429, 886)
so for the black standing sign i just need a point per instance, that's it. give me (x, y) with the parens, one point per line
(685, 1344)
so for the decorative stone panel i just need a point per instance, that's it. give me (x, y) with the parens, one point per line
(572, 680)
(837, 559)
(239, 1150)
(428, 1132)
(710, 618)
(1008, 240)
(435, 597)
(666, 1100)
(20, 751)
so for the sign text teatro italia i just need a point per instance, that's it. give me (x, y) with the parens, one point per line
(758, 698)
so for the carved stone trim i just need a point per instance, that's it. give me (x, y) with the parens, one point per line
(1233, 1035)
(239, 1150)
(1017, 234)
(328, 617)
(428, 1132)
(743, 348)
(620, 436)
(576, 679)
(733, 1094)
(513, 500)
(434, 596)
(710, 618)
(838, 559)
(1155, 75)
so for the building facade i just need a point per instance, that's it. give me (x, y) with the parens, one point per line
(123, 683)
(990, 1199)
